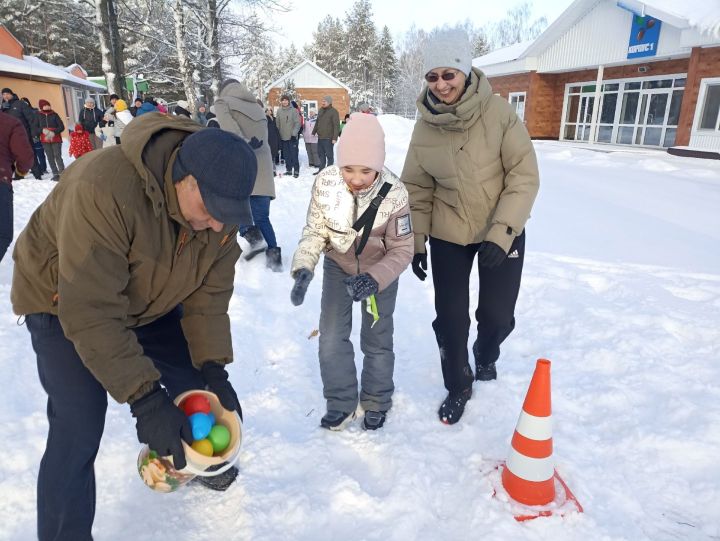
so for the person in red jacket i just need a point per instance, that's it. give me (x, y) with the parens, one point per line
(79, 142)
(51, 126)
(16, 153)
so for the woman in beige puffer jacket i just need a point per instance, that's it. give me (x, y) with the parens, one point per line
(472, 176)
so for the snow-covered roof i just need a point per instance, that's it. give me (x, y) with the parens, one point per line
(505, 54)
(510, 58)
(307, 63)
(699, 19)
(34, 67)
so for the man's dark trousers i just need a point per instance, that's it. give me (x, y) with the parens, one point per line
(290, 155)
(325, 153)
(6, 217)
(76, 413)
(495, 314)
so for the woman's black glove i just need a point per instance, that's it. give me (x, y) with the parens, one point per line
(490, 254)
(216, 378)
(302, 281)
(361, 286)
(161, 424)
(419, 266)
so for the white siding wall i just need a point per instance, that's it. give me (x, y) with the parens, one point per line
(309, 77)
(601, 37)
(707, 142)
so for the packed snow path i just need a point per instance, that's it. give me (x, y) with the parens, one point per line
(621, 290)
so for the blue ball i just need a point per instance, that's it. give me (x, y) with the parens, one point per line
(201, 423)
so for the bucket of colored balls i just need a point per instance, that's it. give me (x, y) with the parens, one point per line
(217, 435)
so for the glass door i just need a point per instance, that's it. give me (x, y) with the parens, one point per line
(584, 121)
(653, 118)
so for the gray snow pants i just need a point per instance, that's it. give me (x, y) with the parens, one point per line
(337, 357)
(53, 151)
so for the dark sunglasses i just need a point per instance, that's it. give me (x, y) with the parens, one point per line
(433, 77)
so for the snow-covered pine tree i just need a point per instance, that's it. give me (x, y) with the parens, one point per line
(385, 71)
(288, 58)
(61, 33)
(328, 48)
(361, 38)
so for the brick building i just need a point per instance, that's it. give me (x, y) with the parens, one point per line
(30, 77)
(633, 72)
(311, 83)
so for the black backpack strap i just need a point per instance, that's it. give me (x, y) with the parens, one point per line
(366, 220)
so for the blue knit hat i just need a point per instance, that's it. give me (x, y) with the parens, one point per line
(225, 168)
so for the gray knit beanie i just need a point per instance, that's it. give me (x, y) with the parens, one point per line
(448, 49)
(328, 99)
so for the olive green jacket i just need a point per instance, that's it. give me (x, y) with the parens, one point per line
(109, 250)
(471, 169)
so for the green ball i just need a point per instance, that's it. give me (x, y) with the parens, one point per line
(219, 437)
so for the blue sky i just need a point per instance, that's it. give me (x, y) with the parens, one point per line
(298, 24)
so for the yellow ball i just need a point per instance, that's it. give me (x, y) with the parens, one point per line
(204, 447)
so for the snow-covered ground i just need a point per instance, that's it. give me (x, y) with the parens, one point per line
(621, 290)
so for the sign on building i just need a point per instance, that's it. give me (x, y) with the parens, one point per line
(644, 36)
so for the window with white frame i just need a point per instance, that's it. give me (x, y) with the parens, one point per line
(517, 100)
(710, 108)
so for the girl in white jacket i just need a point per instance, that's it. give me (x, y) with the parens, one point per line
(359, 216)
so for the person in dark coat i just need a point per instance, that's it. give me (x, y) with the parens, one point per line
(139, 242)
(37, 145)
(89, 118)
(273, 136)
(16, 153)
(51, 126)
(327, 128)
(17, 108)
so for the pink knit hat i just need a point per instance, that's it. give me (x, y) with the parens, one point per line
(362, 142)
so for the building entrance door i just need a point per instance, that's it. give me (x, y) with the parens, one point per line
(653, 117)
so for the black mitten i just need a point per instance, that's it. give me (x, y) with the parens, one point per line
(361, 286)
(161, 424)
(216, 378)
(419, 266)
(302, 281)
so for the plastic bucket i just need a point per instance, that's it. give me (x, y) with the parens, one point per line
(158, 472)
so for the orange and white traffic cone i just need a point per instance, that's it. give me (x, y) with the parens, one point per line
(528, 475)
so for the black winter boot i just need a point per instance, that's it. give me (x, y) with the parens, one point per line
(336, 420)
(273, 259)
(257, 243)
(483, 371)
(219, 482)
(374, 420)
(453, 407)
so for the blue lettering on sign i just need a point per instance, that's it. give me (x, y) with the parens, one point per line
(644, 36)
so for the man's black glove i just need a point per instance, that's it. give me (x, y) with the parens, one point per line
(302, 281)
(419, 266)
(361, 286)
(490, 254)
(216, 378)
(161, 424)
(293, 138)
